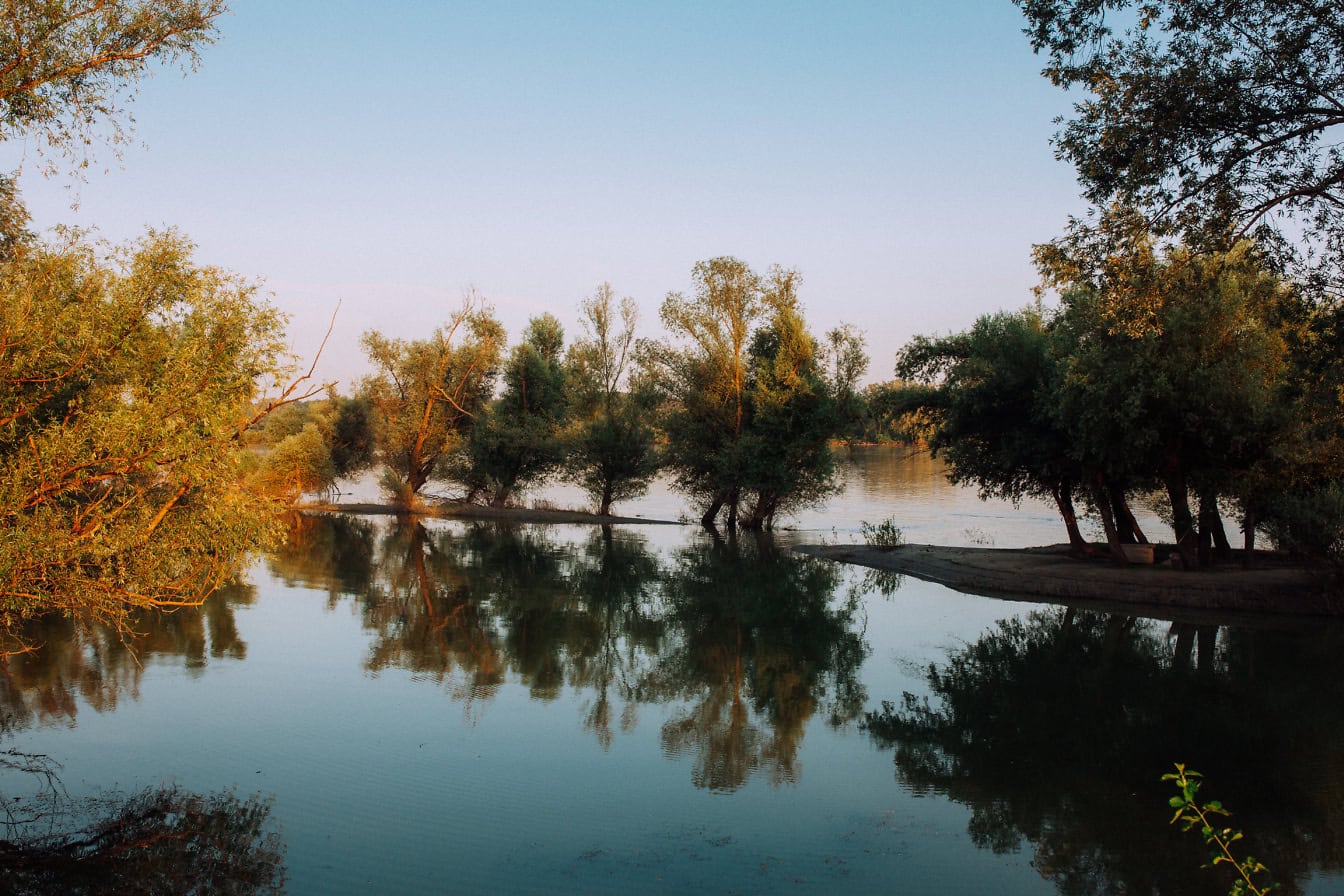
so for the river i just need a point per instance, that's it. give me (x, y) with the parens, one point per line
(452, 707)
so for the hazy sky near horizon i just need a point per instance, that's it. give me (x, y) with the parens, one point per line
(895, 153)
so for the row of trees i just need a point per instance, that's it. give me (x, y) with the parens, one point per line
(738, 404)
(1202, 384)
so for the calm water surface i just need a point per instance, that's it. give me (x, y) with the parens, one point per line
(467, 708)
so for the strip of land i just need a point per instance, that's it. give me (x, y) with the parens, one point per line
(1054, 575)
(458, 510)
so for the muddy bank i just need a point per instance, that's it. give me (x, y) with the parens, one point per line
(1051, 574)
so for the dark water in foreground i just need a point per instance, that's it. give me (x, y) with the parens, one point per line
(459, 708)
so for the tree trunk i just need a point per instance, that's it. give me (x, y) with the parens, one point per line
(1208, 644)
(1183, 524)
(1248, 537)
(734, 498)
(604, 508)
(1107, 521)
(711, 517)
(1212, 536)
(1063, 494)
(1128, 526)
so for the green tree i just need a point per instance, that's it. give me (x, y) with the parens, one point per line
(1193, 398)
(784, 452)
(611, 446)
(425, 395)
(125, 383)
(517, 443)
(750, 407)
(987, 413)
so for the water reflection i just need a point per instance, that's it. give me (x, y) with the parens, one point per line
(159, 842)
(745, 641)
(99, 666)
(1054, 729)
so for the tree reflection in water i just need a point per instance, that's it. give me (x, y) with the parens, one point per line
(759, 644)
(1054, 730)
(159, 842)
(74, 661)
(751, 638)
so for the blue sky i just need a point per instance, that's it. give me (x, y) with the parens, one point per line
(897, 154)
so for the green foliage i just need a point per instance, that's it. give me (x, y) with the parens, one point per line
(611, 452)
(299, 464)
(125, 384)
(1204, 115)
(516, 444)
(69, 65)
(885, 535)
(1190, 813)
(1309, 522)
(753, 400)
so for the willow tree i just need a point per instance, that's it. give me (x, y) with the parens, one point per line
(706, 379)
(425, 395)
(986, 410)
(70, 66)
(126, 379)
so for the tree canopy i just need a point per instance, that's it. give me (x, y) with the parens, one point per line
(125, 383)
(1208, 116)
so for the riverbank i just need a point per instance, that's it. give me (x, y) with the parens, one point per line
(1054, 575)
(457, 510)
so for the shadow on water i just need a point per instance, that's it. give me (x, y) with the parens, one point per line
(744, 640)
(1054, 729)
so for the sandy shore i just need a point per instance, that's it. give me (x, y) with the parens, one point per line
(1051, 574)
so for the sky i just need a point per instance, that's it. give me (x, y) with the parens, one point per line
(392, 156)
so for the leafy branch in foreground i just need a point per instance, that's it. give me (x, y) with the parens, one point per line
(1190, 813)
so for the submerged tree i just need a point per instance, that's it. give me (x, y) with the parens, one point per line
(611, 453)
(426, 394)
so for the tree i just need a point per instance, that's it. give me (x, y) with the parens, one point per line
(69, 65)
(126, 380)
(1208, 116)
(517, 442)
(987, 413)
(1191, 401)
(794, 410)
(426, 394)
(611, 448)
(707, 381)
(750, 406)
